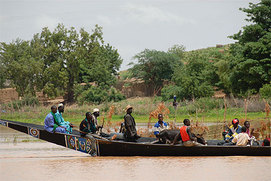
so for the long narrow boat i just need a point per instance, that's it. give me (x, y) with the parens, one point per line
(99, 146)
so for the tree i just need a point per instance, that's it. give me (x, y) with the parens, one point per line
(55, 61)
(251, 65)
(20, 67)
(59, 55)
(70, 58)
(154, 67)
(3, 75)
(177, 50)
(265, 91)
(193, 80)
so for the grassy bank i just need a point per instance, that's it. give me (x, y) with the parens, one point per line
(207, 110)
(203, 111)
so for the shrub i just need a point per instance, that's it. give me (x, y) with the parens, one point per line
(265, 91)
(97, 94)
(209, 103)
(169, 91)
(26, 101)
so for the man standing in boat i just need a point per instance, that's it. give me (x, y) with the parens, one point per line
(186, 135)
(130, 133)
(51, 123)
(60, 119)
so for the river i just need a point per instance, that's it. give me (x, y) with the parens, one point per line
(25, 158)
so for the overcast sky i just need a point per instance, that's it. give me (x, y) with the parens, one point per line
(129, 25)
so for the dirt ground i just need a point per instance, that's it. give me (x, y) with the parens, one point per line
(10, 94)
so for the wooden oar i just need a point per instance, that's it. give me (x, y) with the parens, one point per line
(102, 124)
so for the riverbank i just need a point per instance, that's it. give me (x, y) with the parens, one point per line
(143, 108)
(201, 113)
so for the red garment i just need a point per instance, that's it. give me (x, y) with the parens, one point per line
(268, 139)
(248, 131)
(184, 134)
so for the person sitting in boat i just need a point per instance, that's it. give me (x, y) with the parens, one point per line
(186, 135)
(95, 115)
(234, 130)
(130, 133)
(60, 119)
(266, 141)
(88, 125)
(242, 138)
(249, 131)
(51, 123)
(160, 125)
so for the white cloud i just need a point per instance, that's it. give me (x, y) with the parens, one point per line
(47, 21)
(2, 19)
(104, 20)
(147, 14)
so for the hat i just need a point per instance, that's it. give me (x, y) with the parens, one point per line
(96, 110)
(234, 121)
(128, 107)
(60, 105)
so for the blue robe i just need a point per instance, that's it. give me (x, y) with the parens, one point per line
(50, 126)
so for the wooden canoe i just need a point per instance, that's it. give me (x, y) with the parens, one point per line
(99, 146)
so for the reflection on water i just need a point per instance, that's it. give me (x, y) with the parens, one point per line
(28, 160)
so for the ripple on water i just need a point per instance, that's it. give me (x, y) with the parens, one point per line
(46, 161)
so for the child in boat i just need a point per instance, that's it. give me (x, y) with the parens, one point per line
(242, 138)
(249, 131)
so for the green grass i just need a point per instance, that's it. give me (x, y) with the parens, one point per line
(142, 108)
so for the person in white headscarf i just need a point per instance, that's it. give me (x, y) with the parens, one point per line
(61, 120)
(95, 115)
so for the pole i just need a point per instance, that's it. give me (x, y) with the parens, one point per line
(175, 104)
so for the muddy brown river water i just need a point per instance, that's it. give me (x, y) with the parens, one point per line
(25, 158)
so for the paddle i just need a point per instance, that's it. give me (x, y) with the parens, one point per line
(102, 125)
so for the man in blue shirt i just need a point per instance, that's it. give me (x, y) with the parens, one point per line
(160, 125)
(60, 119)
(51, 124)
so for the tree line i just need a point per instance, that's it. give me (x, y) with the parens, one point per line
(241, 69)
(57, 62)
